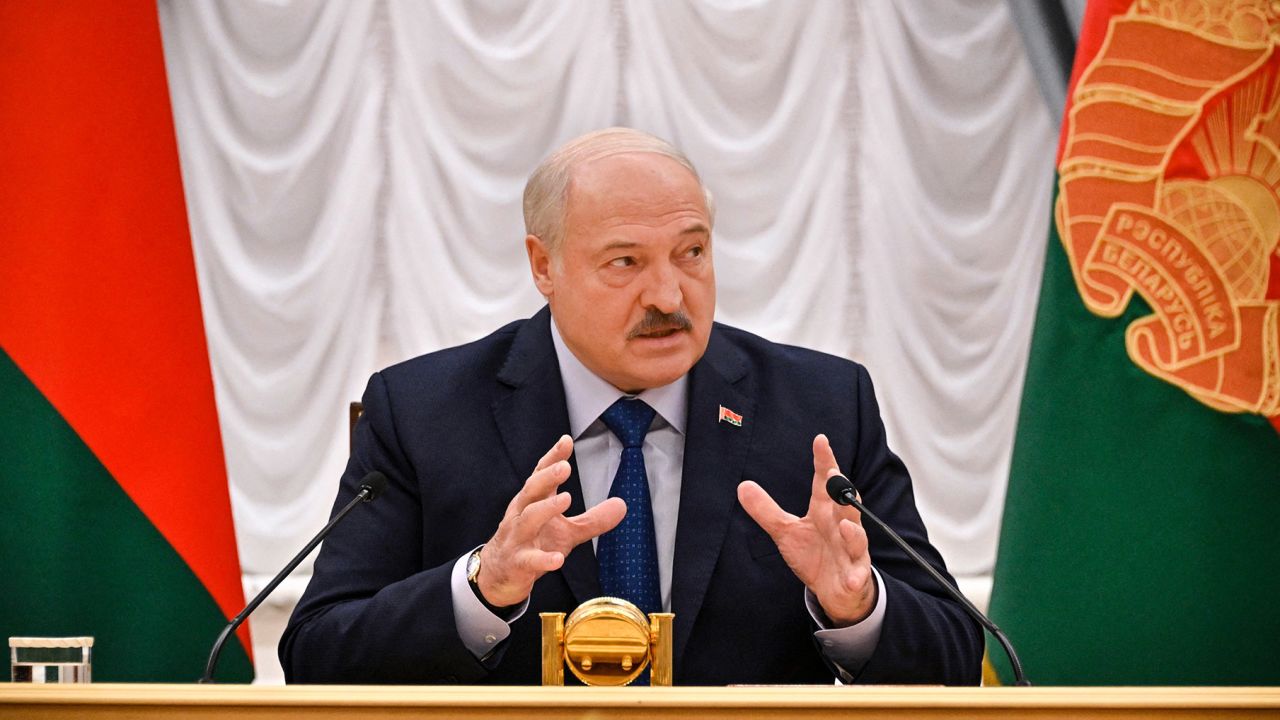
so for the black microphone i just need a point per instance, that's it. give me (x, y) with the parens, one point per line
(841, 490)
(370, 487)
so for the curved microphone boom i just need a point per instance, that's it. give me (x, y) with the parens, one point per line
(371, 486)
(842, 491)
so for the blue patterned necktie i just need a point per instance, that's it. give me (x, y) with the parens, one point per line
(628, 554)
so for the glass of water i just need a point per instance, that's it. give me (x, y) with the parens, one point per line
(51, 660)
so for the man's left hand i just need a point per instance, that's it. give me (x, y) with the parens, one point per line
(827, 548)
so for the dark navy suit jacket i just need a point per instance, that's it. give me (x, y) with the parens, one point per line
(457, 432)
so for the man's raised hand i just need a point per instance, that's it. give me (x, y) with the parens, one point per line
(827, 548)
(534, 536)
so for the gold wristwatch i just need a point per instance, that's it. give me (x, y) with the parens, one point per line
(473, 569)
(473, 576)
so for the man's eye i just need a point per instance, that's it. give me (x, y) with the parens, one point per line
(695, 251)
(625, 261)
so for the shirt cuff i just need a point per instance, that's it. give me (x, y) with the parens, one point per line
(849, 648)
(480, 630)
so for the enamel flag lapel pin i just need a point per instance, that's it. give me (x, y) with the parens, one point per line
(729, 416)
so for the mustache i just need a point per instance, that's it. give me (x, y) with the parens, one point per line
(657, 321)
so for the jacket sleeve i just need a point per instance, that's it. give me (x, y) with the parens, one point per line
(372, 613)
(926, 637)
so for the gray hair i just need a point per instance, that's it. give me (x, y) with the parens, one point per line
(548, 187)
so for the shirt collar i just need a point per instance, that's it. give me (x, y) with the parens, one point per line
(587, 395)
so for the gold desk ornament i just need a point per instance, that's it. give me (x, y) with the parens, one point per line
(606, 642)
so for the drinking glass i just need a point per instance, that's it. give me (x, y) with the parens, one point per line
(51, 660)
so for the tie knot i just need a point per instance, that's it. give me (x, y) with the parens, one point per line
(629, 419)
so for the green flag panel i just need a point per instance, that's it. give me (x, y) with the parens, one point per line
(79, 558)
(1140, 542)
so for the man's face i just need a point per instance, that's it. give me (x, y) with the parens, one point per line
(633, 289)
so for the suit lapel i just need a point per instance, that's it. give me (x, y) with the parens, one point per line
(530, 418)
(714, 457)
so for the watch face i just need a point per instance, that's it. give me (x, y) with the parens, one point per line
(473, 565)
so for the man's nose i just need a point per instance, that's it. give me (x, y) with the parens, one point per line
(662, 288)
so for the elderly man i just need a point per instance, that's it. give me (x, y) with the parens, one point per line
(620, 442)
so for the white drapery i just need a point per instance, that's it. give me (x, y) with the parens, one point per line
(353, 172)
(956, 176)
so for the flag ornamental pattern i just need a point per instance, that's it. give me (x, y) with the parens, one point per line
(1168, 188)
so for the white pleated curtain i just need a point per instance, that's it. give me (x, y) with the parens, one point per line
(353, 173)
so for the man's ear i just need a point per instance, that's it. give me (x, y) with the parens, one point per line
(539, 264)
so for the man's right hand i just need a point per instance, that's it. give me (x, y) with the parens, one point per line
(534, 536)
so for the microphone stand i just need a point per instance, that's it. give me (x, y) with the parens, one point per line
(372, 485)
(840, 488)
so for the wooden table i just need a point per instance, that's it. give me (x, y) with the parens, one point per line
(248, 702)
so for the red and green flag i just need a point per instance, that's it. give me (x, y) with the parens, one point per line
(1140, 542)
(117, 520)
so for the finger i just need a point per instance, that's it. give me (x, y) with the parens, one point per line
(541, 484)
(856, 573)
(531, 520)
(597, 521)
(534, 562)
(762, 508)
(560, 451)
(824, 466)
(853, 538)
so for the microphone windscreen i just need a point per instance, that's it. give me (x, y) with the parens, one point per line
(376, 482)
(838, 486)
